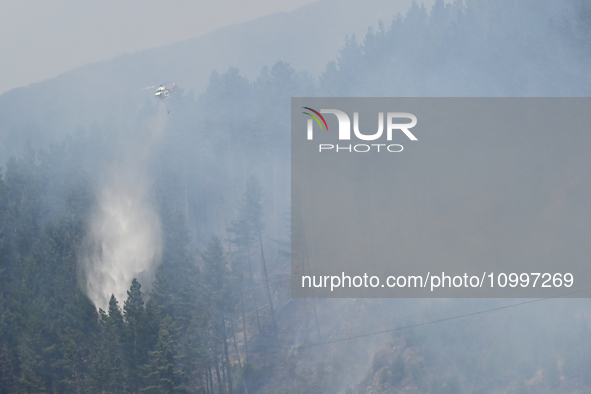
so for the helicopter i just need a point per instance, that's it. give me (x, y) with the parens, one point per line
(162, 92)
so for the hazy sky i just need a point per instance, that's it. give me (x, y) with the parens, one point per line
(40, 39)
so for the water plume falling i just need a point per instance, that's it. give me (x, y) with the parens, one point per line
(123, 239)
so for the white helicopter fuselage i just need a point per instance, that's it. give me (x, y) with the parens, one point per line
(161, 93)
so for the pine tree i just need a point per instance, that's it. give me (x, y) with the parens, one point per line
(108, 371)
(32, 363)
(135, 350)
(161, 374)
(100, 372)
(221, 299)
(177, 295)
(243, 238)
(115, 335)
(254, 216)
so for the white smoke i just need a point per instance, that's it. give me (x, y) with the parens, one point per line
(124, 238)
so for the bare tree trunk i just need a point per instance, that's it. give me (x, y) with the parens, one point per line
(243, 325)
(223, 369)
(307, 323)
(316, 317)
(238, 355)
(267, 281)
(307, 263)
(186, 195)
(227, 363)
(254, 297)
(217, 372)
(276, 225)
(209, 377)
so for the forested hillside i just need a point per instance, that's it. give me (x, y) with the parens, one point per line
(214, 315)
(108, 92)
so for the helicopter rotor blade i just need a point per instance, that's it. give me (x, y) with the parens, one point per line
(162, 85)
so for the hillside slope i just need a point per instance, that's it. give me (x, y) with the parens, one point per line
(109, 93)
